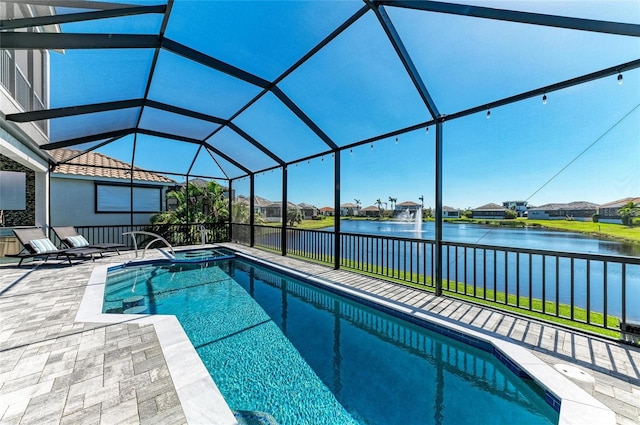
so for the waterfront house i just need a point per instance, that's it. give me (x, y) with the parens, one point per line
(259, 204)
(409, 206)
(371, 211)
(309, 212)
(327, 211)
(578, 210)
(349, 209)
(609, 212)
(490, 210)
(448, 212)
(519, 207)
(273, 211)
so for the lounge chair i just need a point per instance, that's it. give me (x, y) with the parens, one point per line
(72, 239)
(37, 245)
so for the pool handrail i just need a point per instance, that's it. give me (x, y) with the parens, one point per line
(156, 237)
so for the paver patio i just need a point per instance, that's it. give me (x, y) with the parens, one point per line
(55, 370)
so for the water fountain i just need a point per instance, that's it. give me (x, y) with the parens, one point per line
(415, 218)
(406, 216)
(417, 221)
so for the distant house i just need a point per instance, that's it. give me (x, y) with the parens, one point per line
(371, 211)
(490, 210)
(273, 211)
(309, 212)
(259, 204)
(579, 210)
(348, 209)
(608, 213)
(409, 206)
(448, 212)
(327, 211)
(93, 189)
(519, 207)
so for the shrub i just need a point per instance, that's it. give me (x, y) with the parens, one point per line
(510, 214)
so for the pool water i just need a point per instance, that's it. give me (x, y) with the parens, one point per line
(275, 344)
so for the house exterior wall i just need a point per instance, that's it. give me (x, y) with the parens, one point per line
(562, 214)
(349, 210)
(73, 203)
(609, 215)
(309, 213)
(488, 214)
(538, 215)
(399, 208)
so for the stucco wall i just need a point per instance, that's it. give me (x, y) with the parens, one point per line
(73, 204)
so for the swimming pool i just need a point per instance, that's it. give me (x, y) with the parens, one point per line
(306, 355)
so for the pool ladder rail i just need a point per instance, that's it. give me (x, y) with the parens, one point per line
(155, 238)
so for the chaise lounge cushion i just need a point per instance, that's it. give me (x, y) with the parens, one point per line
(77, 241)
(42, 245)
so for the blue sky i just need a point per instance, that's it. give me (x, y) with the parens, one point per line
(582, 145)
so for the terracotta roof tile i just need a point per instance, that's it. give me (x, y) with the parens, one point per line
(94, 164)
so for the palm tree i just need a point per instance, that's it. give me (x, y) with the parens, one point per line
(628, 211)
(379, 204)
(204, 204)
(393, 202)
(421, 197)
(358, 203)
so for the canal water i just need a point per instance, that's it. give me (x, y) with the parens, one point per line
(595, 285)
(533, 238)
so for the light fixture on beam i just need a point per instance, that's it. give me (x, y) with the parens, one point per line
(488, 113)
(544, 99)
(620, 80)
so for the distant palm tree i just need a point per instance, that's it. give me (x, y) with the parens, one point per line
(379, 204)
(358, 203)
(393, 202)
(628, 211)
(421, 197)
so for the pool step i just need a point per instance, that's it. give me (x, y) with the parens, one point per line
(250, 417)
(134, 305)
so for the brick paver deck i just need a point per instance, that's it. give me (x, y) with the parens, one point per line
(54, 370)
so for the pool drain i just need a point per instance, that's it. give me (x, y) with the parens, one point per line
(574, 372)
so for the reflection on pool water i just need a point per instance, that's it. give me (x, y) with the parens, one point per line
(307, 356)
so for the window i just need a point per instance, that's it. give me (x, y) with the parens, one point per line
(13, 189)
(111, 198)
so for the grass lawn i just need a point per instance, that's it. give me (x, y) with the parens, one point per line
(609, 230)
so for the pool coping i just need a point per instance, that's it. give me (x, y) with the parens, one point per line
(202, 401)
(199, 396)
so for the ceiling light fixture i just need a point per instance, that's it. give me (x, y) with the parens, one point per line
(544, 99)
(396, 140)
(488, 113)
(620, 81)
